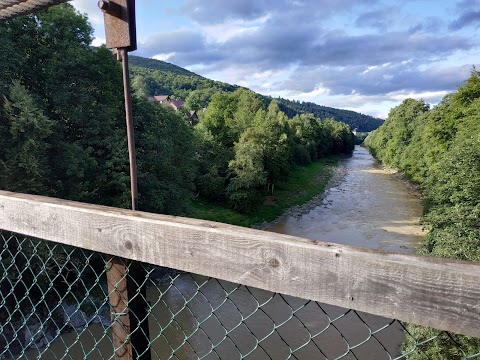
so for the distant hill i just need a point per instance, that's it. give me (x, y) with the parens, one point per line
(159, 65)
(361, 122)
(156, 77)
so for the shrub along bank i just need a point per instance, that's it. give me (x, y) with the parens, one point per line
(439, 148)
(302, 184)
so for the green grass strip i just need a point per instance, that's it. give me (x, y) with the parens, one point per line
(303, 183)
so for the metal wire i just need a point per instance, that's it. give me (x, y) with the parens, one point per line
(54, 305)
(13, 8)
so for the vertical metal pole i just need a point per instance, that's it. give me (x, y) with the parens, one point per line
(127, 293)
(138, 305)
(123, 57)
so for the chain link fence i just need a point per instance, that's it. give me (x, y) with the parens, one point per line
(54, 304)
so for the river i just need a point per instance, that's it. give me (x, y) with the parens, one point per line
(364, 206)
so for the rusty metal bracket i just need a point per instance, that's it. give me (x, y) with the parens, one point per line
(120, 29)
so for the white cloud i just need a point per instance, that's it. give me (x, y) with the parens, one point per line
(432, 97)
(98, 41)
(317, 92)
(89, 7)
(225, 31)
(163, 57)
(365, 56)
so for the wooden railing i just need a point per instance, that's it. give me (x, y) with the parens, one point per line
(436, 292)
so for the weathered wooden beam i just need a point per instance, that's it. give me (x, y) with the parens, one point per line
(436, 292)
(118, 299)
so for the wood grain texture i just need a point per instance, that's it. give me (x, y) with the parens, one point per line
(118, 298)
(440, 293)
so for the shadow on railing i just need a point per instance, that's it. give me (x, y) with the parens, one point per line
(228, 292)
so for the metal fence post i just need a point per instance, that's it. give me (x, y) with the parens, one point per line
(127, 290)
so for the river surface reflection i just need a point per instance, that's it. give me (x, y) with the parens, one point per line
(366, 207)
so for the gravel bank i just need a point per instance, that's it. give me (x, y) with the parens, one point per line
(339, 172)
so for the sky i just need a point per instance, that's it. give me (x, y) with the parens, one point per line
(361, 55)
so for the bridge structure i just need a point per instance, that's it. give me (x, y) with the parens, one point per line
(52, 249)
(66, 266)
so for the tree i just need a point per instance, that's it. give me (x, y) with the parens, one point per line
(165, 153)
(440, 149)
(212, 160)
(23, 157)
(277, 144)
(247, 172)
(79, 89)
(247, 105)
(199, 99)
(219, 117)
(140, 86)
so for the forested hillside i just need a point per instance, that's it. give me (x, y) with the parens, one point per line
(155, 77)
(62, 126)
(363, 123)
(161, 66)
(439, 149)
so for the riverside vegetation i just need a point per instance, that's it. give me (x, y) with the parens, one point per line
(62, 128)
(439, 149)
(62, 131)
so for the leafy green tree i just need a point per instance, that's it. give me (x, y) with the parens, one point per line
(140, 86)
(341, 139)
(302, 144)
(440, 149)
(24, 130)
(165, 159)
(79, 89)
(198, 99)
(219, 117)
(277, 144)
(452, 196)
(212, 160)
(310, 135)
(247, 172)
(10, 64)
(247, 105)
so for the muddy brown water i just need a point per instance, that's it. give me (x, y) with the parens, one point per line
(365, 206)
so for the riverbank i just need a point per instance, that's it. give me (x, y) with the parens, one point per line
(336, 175)
(302, 189)
(414, 188)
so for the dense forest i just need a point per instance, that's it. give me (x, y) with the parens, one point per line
(63, 131)
(439, 148)
(155, 77)
(62, 120)
(244, 148)
(360, 122)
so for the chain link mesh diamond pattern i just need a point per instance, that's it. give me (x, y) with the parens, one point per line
(54, 304)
